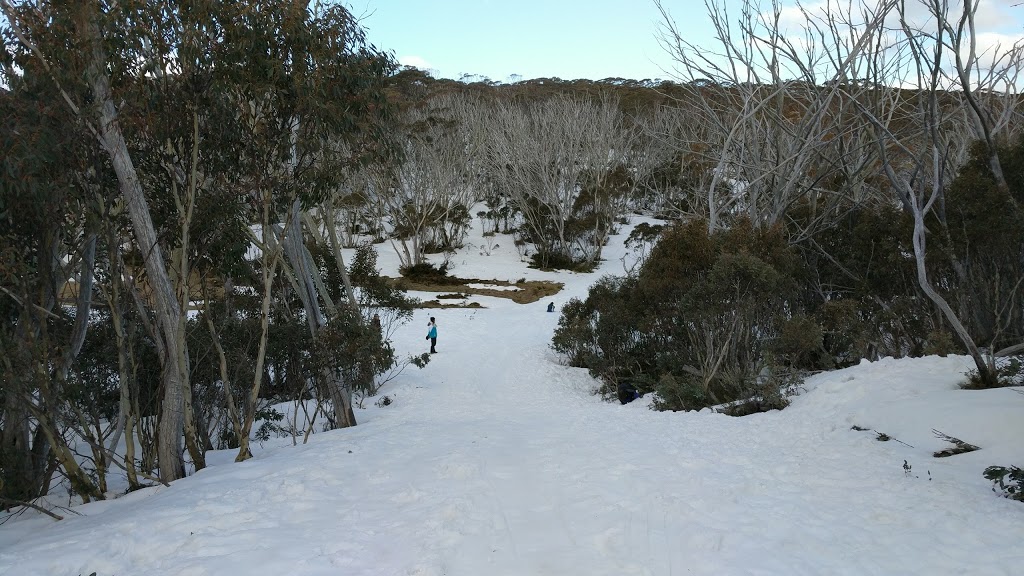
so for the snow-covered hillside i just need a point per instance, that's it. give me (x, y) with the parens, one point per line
(497, 460)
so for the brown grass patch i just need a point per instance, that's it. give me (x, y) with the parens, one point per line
(437, 304)
(528, 291)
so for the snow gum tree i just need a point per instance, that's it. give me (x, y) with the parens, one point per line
(877, 101)
(776, 110)
(213, 122)
(425, 192)
(542, 154)
(48, 235)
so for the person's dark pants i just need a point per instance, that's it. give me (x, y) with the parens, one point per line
(433, 342)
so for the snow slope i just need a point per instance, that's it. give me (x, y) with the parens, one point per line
(497, 460)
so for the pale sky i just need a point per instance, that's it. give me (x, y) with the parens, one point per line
(567, 39)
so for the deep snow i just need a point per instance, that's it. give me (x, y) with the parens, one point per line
(497, 460)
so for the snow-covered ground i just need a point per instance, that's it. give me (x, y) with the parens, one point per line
(497, 460)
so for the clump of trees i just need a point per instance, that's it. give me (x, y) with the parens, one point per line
(712, 317)
(179, 184)
(883, 109)
(695, 323)
(169, 258)
(565, 164)
(889, 203)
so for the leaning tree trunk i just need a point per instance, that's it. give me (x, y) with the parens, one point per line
(165, 305)
(986, 373)
(340, 389)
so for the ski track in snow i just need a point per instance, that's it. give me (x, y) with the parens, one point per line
(497, 460)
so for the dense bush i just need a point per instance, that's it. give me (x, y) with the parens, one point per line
(696, 323)
(1007, 481)
(711, 318)
(426, 272)
(706, 314)
(551, 260)
(979, 259)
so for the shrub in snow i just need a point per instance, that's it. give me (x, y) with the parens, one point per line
(940, 343)
(697, 323)
(1009, 372)
(801, 343)
(959, 446)
(679, 393)
(574, 337)
(269, 427)
(425, 272)
(1008, 482)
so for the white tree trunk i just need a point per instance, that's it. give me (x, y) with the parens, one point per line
(165, 304)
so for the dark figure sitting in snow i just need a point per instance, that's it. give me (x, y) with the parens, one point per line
(627, 393)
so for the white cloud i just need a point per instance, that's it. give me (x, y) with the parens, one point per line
(998, 15)
(416, 62)
(991, 15)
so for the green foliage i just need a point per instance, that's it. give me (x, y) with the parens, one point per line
(377, 295)
(554, 260)
(500, 213)
(269, 419)
(1008, 372)
(801, 344)
(93, 384)
(845, 333)
(576, 334)
(708, 313)
(666, 185)
(683, 392)
(599, 333)
(353, 348)
(565, 241)
(696, 324)
(979, 260)
(420, 361)
(231, 112)
(594, 211)
(864, 292)
(940, 343)
(449, 232)
(426, 272)
(772, 391)
(1007, 481)
(644, 233)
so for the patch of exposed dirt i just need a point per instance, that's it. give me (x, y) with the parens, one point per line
(438, 304)
(526, 292)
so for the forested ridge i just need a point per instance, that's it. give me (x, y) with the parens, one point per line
(180, 180)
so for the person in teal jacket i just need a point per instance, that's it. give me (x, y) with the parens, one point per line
(432, 335)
